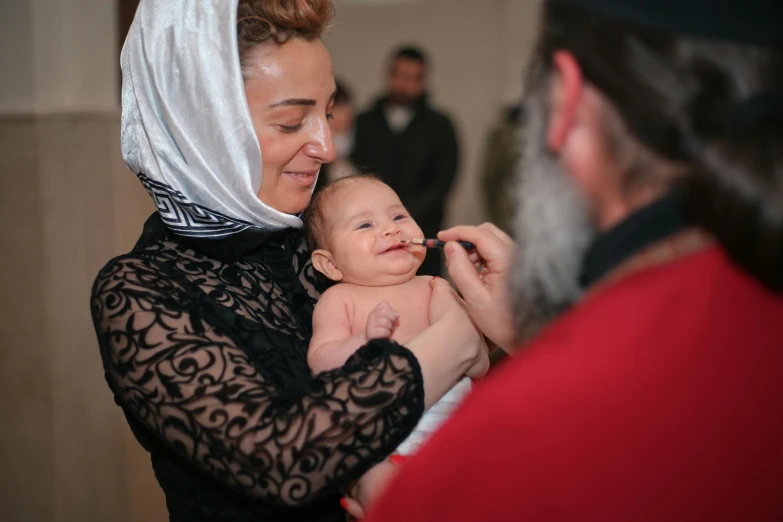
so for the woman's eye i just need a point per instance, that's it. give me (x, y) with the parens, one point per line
(290, 128)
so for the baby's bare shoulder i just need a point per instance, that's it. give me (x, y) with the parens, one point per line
(335, 293)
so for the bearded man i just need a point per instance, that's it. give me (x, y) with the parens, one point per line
(645, 283)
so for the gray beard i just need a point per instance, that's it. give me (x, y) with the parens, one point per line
(552, 229)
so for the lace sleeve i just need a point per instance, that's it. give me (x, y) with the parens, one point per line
(189, 383)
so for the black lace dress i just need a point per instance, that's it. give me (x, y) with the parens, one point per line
(204, 344)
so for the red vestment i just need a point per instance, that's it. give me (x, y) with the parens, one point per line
(657, 398)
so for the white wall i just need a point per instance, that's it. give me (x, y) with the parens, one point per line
(477, 50)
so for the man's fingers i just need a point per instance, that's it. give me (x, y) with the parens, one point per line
(495, 230)
(492, 244)
(460, 232)
(463, 273)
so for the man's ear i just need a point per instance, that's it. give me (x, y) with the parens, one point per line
(564, 98)
(324, 263)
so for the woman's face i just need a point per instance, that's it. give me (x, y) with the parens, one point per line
(290, 90)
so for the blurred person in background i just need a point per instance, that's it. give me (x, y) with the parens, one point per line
(647, 282)
(411, 146)
(502, 153)
(342, 125)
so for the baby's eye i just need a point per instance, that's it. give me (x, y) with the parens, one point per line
(400, 217)
(364, 226)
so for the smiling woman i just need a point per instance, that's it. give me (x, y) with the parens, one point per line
(204, 326)
(290, 92)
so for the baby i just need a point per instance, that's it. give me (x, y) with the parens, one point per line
(356, 227)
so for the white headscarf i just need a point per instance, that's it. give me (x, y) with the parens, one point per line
(186, 127)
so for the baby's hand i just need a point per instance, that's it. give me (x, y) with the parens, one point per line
(381, 322)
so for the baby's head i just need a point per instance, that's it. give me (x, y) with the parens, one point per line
(354, 228)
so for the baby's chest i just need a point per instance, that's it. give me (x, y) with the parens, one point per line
(413, 314)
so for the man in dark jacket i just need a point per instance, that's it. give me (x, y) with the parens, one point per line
(410, 146)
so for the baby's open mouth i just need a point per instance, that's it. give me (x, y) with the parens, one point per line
(400, 246)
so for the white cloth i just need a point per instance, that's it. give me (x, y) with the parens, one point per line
(398, 117)
(435, 416)
(186, 127)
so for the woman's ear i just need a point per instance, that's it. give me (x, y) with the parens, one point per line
(324, 263)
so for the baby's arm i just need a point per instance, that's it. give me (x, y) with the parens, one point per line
(332, 343)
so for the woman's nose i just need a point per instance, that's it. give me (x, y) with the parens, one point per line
(321, 145)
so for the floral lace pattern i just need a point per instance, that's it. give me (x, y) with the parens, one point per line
(209, 361)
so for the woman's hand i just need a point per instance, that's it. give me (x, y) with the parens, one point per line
(370, 486)
(482, 278)
(450, 348)
(446, 305)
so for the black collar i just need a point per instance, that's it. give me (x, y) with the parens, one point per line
(654, 222)
(228, 249)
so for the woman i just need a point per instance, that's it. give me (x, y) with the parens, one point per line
(204, 326)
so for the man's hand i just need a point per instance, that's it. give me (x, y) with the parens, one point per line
(481, 276)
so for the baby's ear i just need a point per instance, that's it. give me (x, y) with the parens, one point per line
(324, 263)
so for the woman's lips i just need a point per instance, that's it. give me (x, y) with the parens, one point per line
(305, 178)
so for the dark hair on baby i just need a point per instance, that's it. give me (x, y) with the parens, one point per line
(315, 224)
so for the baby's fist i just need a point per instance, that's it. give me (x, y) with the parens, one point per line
(381, 322)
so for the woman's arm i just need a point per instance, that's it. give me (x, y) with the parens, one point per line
(189, 383)
(451, 327)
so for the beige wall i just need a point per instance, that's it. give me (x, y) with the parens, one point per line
(58, 56)
(519, 29)
(67, 204)
(16, 70)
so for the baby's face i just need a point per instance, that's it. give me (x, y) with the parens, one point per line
(368, 223)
